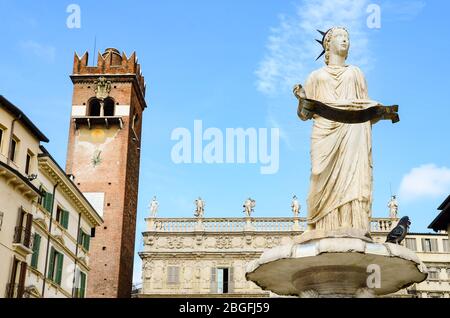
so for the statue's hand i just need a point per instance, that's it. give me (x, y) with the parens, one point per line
(299, 91)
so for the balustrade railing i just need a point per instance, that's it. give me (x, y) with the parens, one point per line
(262, 224)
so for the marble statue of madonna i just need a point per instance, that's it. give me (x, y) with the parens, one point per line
(340, 194)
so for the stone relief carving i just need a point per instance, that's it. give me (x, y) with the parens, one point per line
(223, 242)
(102, 88)
(272, 241)
(175, 242)
(148, 270)
(150, 240)
(198, 240)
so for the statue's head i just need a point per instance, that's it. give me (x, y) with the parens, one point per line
(337, 41)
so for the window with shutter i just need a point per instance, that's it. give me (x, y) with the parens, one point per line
(87, 242)
(213, 282)
(48, 201)
(82, 285)
(80, 237)
(12, 280)
(222, 280)
(27, 234)
(41, 191)
(231, 281)
(59, 268)
(1, 139)
(22, 277)
(51, 265)
(13, 150)
(36, 247)
(65, 220)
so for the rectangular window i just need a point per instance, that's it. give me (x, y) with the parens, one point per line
(28, 163)
(433, 274)
(1, 139)
(62, 217)
(82, 287)
(445, 242)
(84, 240)
(16, 285)
(173, 275)
(55, 266)
(429, 245)
(47, 200)
(13, 150)
(36, 247)
(80, 284)
(411, 244)
(222, 280)
(22, 233)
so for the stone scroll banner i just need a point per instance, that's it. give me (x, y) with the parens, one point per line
(307, 108)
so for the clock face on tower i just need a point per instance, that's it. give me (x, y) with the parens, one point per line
(96, 158)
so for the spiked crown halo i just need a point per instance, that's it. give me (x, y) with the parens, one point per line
(323, 41)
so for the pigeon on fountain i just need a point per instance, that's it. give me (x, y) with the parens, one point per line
(398, 234)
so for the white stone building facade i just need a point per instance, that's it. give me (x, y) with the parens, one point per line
(45, 221)
(208, 257)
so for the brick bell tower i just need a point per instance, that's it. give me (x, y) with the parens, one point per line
(103, 156)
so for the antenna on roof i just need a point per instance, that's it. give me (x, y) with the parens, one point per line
(93, 53)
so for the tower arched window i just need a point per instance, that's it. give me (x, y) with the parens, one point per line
(109, 107)
(94, 108)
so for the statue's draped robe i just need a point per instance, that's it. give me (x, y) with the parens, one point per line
(340, 194)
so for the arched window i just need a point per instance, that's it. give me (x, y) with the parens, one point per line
(94, 108)
(109, 107)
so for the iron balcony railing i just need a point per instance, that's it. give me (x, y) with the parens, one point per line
(22, 236)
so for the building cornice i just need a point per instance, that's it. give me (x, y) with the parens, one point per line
(19, 181)
(48, 167)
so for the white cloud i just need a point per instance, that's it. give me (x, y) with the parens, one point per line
(426, 181)
(292, 49)
(45, 52)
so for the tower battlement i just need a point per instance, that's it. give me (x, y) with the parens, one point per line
(110, 62)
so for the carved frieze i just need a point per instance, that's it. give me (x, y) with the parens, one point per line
(223, 242)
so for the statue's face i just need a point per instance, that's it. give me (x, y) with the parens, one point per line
(340, 42)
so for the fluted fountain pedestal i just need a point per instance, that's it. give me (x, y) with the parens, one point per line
(340, 263)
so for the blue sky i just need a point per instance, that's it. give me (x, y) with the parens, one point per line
(232, 64)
